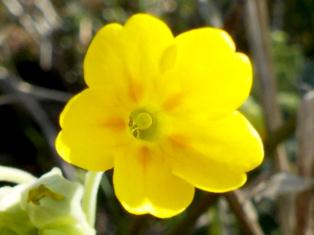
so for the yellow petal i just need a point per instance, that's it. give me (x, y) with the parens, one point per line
(127, 58)
(210, 77)
(143, 183)
(103, 64)
(216, 155)
(146, 39)
(93, 124)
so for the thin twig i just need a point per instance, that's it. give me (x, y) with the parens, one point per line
(138, 224)
(41, 92)
(196, 211)
(245, 212)
(34, 108)
(209, 11)
(49, 13)
(17, 10)
(259, 39)
(305, 133)
(8, 99)
(258, 33)
(280, 135)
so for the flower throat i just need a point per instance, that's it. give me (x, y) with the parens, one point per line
(143, 125)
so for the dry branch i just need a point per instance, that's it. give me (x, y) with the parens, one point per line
(305, 134)
(259, 39)
(8, 85)
(245, 212)
(192, 215)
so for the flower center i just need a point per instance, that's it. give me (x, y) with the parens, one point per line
(143, 125)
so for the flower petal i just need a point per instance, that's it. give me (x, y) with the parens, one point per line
(127, 58)
(92, 128)
(214, 156)
(103, 64)
(146, 39)
(143, 184)
(211, 78)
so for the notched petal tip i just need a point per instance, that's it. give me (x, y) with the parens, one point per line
(245, 65)
(101, 56)
(108, 30)
(215, 155)
(242, 178)
(209, 35)
(228, 39)
(168, 58)
(67, 109)
(149, 187)
(141, 17)
(62, 149)
(253, 140)
(143, 24)
(93, 158)
(144, 18)
(149, 208)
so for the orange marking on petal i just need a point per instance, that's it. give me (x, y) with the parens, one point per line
(144, 156)
(135, 91)
(172, 102)
(115, 123)
(178, 141)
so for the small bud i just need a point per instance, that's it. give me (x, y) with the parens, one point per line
(53, 205)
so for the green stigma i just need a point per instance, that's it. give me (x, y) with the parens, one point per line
(143, 125)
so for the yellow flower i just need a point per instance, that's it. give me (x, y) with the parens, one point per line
(161, 111)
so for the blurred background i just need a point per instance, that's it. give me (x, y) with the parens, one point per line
(42, 46)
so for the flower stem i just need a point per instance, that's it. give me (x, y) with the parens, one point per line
(14, 175)
(92, 181)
